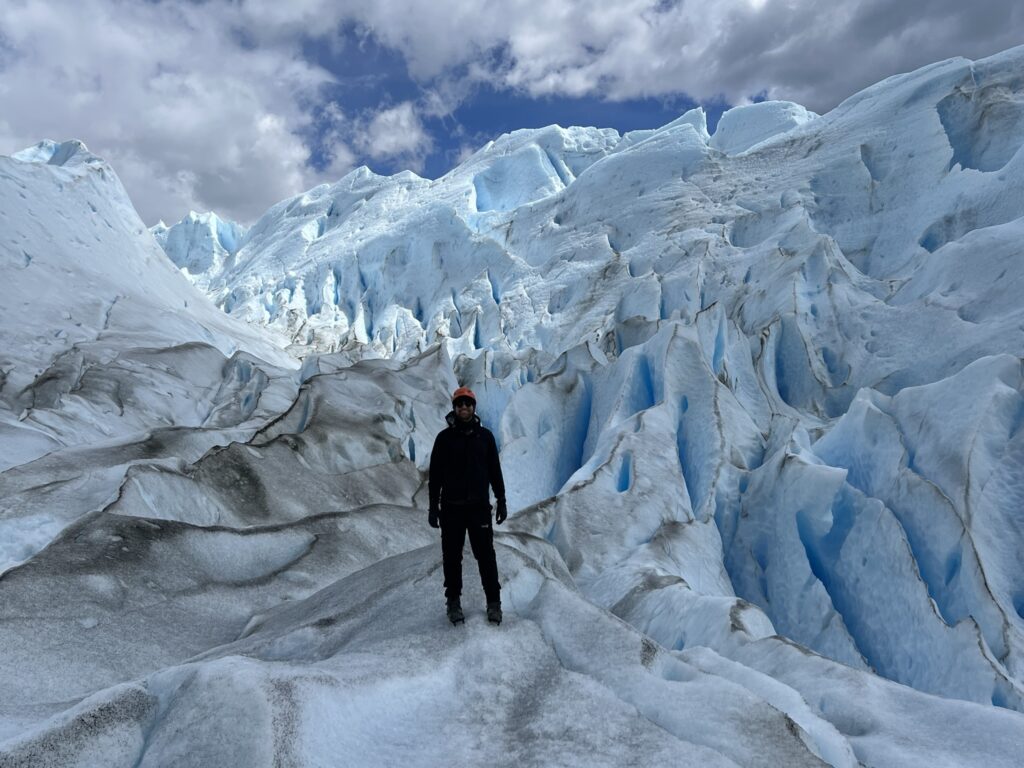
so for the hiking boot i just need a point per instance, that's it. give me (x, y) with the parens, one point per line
(455, 615)
(494, 613)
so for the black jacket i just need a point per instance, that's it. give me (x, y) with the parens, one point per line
(463, 463)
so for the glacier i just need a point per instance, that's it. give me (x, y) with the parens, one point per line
(758, 395)
(200, 244)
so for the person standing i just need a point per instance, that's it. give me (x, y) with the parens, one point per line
(464, 467)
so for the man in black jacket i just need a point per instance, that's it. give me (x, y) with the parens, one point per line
(463, 466)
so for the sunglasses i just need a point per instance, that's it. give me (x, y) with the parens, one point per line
(463, 402)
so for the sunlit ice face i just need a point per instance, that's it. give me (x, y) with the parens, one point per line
(464, 408)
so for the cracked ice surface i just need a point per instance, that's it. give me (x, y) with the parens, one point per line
(758, 397)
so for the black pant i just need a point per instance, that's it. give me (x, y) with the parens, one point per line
(456, 520)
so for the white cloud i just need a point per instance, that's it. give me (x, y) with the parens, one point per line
(202, 104)
(396, 132)
(189, 117)
(332, 127)
(800, 49)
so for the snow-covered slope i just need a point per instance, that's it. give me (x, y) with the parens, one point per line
(109, 354)
(758, 397)
(281, 599)
(83, 283)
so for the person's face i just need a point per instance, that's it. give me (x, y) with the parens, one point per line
(464, 409)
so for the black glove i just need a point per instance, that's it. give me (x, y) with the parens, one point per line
(502, 512)
(432, 518)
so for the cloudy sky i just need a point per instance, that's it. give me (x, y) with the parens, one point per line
(232, 105)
